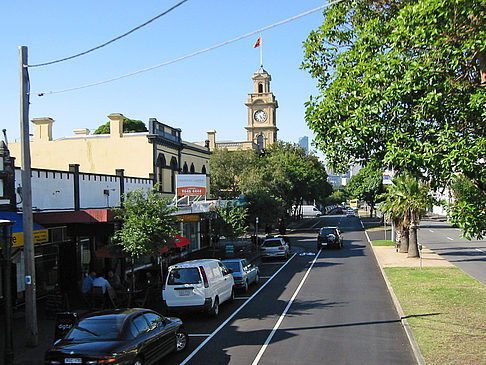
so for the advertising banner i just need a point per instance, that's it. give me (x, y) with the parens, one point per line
(188, 184)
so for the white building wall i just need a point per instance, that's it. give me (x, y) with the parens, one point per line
(98, 191)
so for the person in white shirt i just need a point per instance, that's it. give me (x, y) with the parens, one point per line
(101, 282)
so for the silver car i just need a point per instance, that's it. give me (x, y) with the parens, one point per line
(275, 247)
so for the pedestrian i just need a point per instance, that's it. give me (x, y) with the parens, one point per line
(114, 280)
(101, 282)
(88, 282)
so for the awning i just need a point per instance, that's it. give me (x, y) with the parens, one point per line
(177, 241)
(76, 216)
(111, 252)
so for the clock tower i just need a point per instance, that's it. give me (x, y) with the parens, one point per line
(262, 124)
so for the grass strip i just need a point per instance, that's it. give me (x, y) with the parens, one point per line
(383, 243)
(446, 310)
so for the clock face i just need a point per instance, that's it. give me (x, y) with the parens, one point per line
(260, 116)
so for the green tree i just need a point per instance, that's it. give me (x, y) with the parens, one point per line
(148, 223)
(227, 171)
(367, 185)
(403, 82)
(129, 126)
(338, 196)
(405, 201)
(470, 203)
(230, 221)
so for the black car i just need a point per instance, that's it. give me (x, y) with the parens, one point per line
(329, 237)
(132, 336)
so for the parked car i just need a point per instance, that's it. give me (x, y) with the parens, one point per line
(119, 336)
(275, 247)
(244, 273)
(198, 285)
(329, 236)
(350, 213)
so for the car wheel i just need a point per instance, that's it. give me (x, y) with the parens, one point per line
(257, 278)
(181, 340)
(138, 361)
(215, 309)
(232, 297)
(245, 288)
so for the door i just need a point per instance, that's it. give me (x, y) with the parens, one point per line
(227, 282)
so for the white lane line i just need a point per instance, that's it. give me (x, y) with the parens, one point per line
(431, 231)
(478, 249)
(242, 298)
(451, 239)
(277, 325)
(221, 326)
(265, 277)
(199, 335)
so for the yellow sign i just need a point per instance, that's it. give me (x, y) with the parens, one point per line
(40, 236)
(189, 218)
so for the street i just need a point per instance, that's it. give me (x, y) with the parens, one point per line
(468, 255)
(326, 307)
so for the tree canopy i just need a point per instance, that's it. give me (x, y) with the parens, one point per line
(129, 126)
(404, 83)
(148, 223)
(367, 185)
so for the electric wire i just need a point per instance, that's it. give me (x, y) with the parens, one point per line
(110, 41)
(194, 53)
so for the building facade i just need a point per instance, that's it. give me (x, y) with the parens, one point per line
(262, 117)
(159, 154)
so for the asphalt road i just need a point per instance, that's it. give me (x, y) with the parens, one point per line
(326, 307)
(468, 255)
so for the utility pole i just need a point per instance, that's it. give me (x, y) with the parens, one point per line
(27, 220)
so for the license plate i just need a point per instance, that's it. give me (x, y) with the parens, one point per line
(183, 293)
(73, 361)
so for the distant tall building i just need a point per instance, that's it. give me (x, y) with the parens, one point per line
(304, 143)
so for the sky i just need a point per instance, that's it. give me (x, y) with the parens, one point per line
(197, 94)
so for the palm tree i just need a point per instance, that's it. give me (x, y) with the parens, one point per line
(405, 201)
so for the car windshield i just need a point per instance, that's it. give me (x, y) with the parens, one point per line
(100, 328)
(189, 275)
(235, 266)
(272, 243)
(327, 231)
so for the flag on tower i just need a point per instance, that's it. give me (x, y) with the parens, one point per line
(258, 42)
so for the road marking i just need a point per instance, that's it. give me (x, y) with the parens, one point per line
(478, 249)
(452, 239)
(221, 326)
(265, 277)
(431, 231)
(244, 298)
(199, 335)
(277, 325)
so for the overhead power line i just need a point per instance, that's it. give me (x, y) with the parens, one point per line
(110, 41)
(194, 53)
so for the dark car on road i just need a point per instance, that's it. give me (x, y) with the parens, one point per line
(243, 273)
(132, 336)
(329, 237)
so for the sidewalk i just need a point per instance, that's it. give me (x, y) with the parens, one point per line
(24, 355)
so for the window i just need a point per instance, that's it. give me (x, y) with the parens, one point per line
(260, 87)
(139, 326)
(203, 170)
(188, 275)
(260, 141)
(154, 319)
(185, 169)
(192, 168)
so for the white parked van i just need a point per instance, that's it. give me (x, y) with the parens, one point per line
(310, 211)
(198, 285)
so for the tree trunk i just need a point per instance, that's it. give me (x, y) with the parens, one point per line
(404, 241)
(412, 247)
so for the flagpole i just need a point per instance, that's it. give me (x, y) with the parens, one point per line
(261, 50)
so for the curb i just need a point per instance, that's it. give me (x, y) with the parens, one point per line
(411, 339)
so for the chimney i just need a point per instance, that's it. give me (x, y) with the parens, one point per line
(42, 129)
(212, 139)
(81, 132)
(116, 125)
